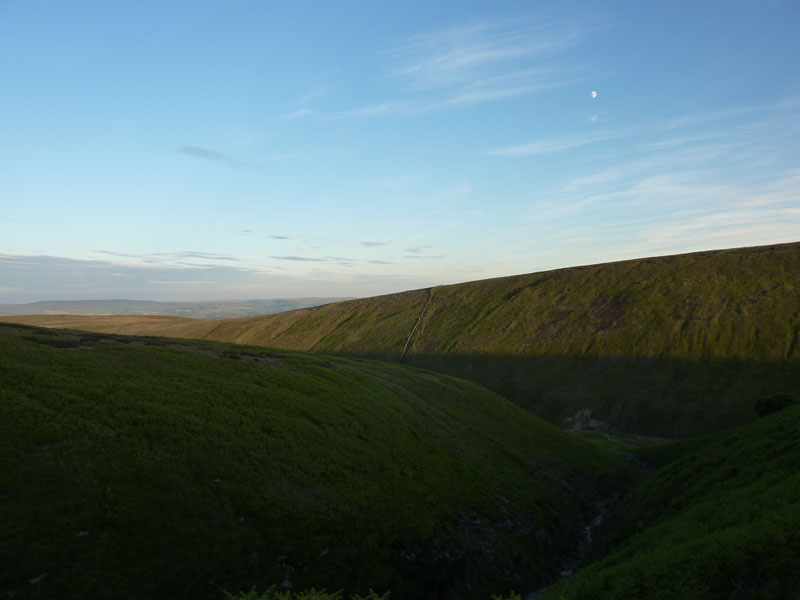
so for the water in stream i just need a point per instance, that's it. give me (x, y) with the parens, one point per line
(569, 566)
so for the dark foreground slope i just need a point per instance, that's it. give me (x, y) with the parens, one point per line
(673, 346)
(151, 468)
(719, 520)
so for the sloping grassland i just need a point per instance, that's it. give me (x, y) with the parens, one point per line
(720, 519)
(674, 346)
(137, 467)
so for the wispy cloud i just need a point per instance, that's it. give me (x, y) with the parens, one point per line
(376, 244)
(194, 254)
(374, 110)
(548, 146)
(120, 254)
(466, 52)
(280, 237)
(300, 113)
(298, 258)
(719, 179)
(171, 256)
(311, 95)
(162, 282)
(243, 138)
(406, 179)
(469, 64)
(213, 156)
(683, 132)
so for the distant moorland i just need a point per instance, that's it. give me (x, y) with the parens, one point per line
(195, 310)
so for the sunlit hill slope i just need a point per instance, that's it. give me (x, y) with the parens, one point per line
(673, 345)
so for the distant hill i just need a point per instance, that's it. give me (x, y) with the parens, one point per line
(139, 468)
(672, 346)
(195, 310)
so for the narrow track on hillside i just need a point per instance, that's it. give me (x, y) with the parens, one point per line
(212, 330)
(416, 325)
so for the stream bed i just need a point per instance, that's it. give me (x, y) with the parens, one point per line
(569, 566)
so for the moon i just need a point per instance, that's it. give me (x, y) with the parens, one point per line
(594, 94)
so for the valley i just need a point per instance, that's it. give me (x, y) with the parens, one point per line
(397, 443)
(669, 346)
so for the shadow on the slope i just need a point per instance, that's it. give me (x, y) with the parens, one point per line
(666, 397)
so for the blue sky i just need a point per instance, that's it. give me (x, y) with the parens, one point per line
(243, 149)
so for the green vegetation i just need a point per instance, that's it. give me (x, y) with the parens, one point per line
(137, 467)
(141, 467)
(668, 346)
(720, 518)
(767, 406)
(313, 594)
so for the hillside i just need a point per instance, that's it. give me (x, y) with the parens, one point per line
(673, 346)
(138, 467)
(719, 519)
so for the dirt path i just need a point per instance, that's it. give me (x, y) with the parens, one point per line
(416, 325)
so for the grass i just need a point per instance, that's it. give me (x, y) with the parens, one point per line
(720, 518)
(668, 346)
(136, 467)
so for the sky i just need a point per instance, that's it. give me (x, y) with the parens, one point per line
(210, 150)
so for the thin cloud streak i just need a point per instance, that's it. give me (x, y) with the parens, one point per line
(457, 54)
(375, 110)
(300, 113)
(552, 145)
(213, 156)
(744, 131)
(298, 258)
(171, 256)
(471, 64)
(180, 282)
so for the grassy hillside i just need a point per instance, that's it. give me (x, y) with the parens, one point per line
(675, 346)
(135, 467)
(719, 519)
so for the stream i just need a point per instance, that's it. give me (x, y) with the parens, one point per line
(569, 566)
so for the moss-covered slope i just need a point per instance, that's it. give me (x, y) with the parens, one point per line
(719, 519)
(151, 468)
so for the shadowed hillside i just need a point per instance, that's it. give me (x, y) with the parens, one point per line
(581, 346)
(139, 467)
(720, 519)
